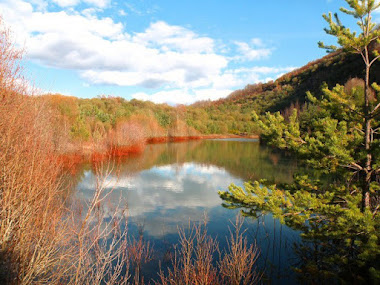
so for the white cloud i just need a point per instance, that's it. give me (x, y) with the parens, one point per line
(122, 12)
(183, 96)
(170, 58)
(377, 12)
(40, 4)
(90, 12)
(248, 53)
(66, 3)
(257, 42)
(100, 48)
(151, 69)
(177, 96)
(168, 37)
(265, 69)
(222, 85)
(98, 3)
(133, 9)
(72, 3)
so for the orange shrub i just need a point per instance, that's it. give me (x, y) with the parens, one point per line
(149, 124)
(181, 129)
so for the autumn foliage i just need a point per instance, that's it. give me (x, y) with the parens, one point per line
(30, 191)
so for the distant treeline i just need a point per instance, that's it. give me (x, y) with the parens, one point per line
(106, 121)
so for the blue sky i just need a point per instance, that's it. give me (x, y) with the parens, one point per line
(175, 52)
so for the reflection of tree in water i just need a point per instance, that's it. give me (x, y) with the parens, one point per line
(246, 160)
(276, 242)
(330, 258)
(328, 251)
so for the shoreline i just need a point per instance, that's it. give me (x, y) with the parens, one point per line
(89, 153)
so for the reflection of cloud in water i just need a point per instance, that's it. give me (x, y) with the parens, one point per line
(164, 197)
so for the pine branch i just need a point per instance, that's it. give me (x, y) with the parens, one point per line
(375, 114)
(374, 110)
(353, 165)
(359, 130)
(373, 60)
(375, 211)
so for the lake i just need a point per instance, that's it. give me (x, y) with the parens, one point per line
(171, 184)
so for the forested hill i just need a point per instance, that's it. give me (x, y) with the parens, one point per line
(88, 120)
(290, 89)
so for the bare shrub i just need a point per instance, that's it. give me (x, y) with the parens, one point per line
(98, 250)
(149, 124)
(63, 110)
(41, 241)
(140, 252)
(357, 84)
(287, 112)
(31, 200)
(180, 129)
(238, 264)
(194, 259)
(11, 79)
(353, 83)
(127, 133)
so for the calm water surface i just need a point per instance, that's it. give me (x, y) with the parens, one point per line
(170, 185)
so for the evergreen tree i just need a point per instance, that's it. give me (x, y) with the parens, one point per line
(339, 136)
(349, 41)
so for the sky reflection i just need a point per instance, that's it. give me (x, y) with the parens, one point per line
(164, 197)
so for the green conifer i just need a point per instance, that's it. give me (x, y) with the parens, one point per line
(339, 136)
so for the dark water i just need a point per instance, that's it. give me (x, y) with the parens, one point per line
(170, 185)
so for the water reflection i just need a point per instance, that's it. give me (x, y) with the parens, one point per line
(171, 184)
(189, 189)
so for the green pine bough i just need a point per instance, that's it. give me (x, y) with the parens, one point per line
(338, 136)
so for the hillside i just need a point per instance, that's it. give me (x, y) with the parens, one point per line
(290, 89)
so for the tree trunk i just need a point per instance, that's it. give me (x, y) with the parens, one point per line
(367, 142)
